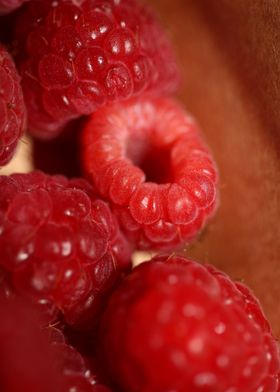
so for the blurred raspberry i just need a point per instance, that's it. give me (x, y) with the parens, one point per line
(38, 360)
(175, 325)
(7, 6)
(26, 360)
(76, 375)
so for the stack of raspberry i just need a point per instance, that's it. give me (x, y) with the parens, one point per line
(92, 81)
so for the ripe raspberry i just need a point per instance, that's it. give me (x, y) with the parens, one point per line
(76, 376)
(10, 5)
(147, 157)
(80, 55)
(26, 361)
(48, 311)
(12, 109)
(39, 358)
(59, 243)
(176, 325)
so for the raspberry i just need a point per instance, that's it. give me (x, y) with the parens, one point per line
(80, 55)
(25, 354)
(40, 359)
(147, 157)
(75, 373)
(10, 5)
(12, 109)
(59, 244)
(48, 311)
(176, 325)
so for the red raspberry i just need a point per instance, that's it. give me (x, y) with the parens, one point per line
(34, 359)
(48, 311)
(12, 109)
(75, 373)
(175, 325)
(26, 360)
(148, 158)
(59, 243)
(80, 55)
(10, 5)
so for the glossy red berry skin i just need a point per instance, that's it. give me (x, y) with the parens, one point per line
(12, 109)
(79, 55)
(176, 325)
(148, 158)
(59, 243)
(7, 6)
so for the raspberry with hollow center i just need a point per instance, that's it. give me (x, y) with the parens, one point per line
(173, 324)
(59, 244)
(12, 109)
(148, 158)
(78, 56)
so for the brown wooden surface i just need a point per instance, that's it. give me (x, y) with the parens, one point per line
(230, 56)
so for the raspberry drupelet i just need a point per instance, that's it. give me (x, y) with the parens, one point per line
(59, 244)
(76, 56)
(148, 158)
(175, 325)
(12, 109)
